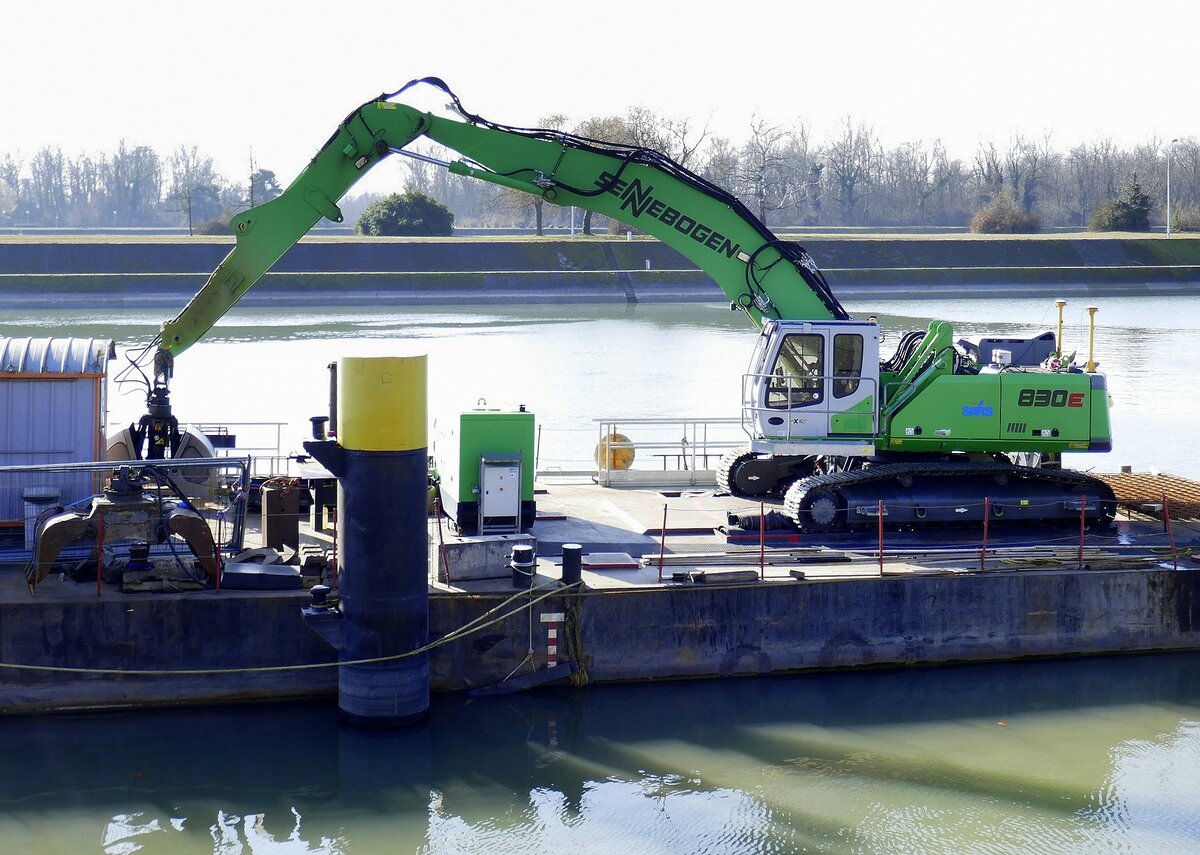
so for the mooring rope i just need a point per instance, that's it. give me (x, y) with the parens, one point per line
(461, 632)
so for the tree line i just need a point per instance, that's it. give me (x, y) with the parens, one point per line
(132, 186)
(781, 172)
(788, 178)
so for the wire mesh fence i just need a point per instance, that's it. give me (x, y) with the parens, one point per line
(215, 488)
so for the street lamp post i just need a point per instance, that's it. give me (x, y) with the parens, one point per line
(1170, 148)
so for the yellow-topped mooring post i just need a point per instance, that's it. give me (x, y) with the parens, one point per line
(380, 462)
(381, 402)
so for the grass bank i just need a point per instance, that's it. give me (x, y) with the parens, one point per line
(166, 271)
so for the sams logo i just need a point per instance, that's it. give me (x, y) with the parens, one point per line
(977, 410)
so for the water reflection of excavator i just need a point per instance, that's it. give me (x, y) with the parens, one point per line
(930, 431)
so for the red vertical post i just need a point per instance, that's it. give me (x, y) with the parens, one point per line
(987, 515)
(662, 543)
(217, 547)
(881, 537)
(1170, 532)
(99, 552)
(1082, 526)
(762, 541)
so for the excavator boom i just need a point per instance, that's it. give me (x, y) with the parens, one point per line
(765, 276)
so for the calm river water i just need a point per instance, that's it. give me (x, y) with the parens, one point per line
(1085, 756)
(573, 364)
(1082, 756)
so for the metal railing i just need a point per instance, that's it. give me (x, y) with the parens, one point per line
(266, 459)
(650, 451)
(797, 395)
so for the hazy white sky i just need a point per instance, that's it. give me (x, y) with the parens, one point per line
(278, 76)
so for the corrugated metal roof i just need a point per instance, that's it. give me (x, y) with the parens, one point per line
(55, 355)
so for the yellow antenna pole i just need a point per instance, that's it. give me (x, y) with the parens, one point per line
(1062, 304)
(1091, 363)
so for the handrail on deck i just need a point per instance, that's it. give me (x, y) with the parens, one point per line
(691, 442)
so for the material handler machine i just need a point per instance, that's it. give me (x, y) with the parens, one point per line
(930, 431)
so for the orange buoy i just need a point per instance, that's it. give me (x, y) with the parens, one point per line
(611, 452)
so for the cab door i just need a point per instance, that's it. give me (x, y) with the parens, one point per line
(853, 386)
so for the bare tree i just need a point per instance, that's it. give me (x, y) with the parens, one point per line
(132, 181)
(516, 200)
(1026, 163)
(1185, 173)
(683, 140)
(1092, 170)
(850, 163)
(8, 200)
(910, 176)
(988, 172)
(195, 189)
(47, 185)
(10, 179)
(610, 129)
(84, 191)
(646, 129)
(762, 172)
(950, 197)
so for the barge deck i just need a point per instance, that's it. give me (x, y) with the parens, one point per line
(715, 608)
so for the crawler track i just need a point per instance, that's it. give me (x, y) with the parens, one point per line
(924, 493)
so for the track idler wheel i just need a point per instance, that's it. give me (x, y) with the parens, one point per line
(744, 474)
(817, 510)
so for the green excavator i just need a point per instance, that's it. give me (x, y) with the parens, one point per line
(942, 430)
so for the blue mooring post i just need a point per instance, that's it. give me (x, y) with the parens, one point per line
(380, 464)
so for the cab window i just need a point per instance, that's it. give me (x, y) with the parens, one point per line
(847, 364)
(798, 373)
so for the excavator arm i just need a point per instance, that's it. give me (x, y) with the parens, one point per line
(765, 276)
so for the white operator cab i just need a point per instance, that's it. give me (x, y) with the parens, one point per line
(813, 389)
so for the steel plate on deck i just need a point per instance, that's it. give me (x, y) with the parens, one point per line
(610, 561)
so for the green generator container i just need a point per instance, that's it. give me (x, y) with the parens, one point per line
(485, 462)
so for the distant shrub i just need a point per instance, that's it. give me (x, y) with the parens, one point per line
(408, 213)
(1129, 212)
(1185, 220)
(213, 227)
(1003, 216)
(616, 227)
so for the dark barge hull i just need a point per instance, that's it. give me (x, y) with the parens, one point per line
(611, 635)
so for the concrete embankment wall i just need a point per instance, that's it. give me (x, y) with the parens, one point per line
(156, 273)
(671, 632)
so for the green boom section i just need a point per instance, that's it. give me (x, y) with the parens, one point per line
(264, 233)
(729, 244)
(703, 228)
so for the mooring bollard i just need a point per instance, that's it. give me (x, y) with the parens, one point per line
(522, 561)
(572, 572)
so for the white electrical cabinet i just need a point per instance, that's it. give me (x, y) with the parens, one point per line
(499, 494)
